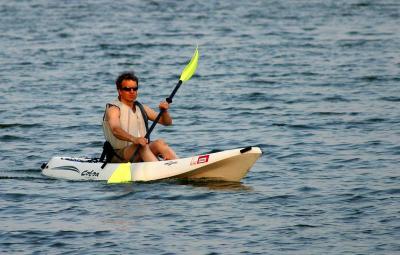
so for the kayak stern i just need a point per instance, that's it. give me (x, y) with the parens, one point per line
(231, 169)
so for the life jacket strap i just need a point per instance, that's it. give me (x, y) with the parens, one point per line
(107, 154)
(145, 117)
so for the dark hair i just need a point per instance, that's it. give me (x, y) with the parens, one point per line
(126, 76)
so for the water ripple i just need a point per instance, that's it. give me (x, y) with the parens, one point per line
(313, 83)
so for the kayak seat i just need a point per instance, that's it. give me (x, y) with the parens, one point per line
(107, 154)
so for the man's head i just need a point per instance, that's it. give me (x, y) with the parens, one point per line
(126, 76)
(127, 85)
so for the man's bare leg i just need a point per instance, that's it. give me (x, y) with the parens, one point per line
(160, 147)
(144, 154)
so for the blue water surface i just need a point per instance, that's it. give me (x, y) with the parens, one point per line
(315, 84)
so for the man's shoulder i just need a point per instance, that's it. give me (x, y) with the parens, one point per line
(115, 103)
(113, 107)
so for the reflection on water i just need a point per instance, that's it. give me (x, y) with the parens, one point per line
(215, 185)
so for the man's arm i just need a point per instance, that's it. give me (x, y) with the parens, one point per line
(165, 119)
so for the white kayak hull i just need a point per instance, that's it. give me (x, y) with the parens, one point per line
(230, 165)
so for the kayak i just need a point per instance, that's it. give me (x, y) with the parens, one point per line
(229, 165)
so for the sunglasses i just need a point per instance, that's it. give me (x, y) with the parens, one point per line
(129, 88)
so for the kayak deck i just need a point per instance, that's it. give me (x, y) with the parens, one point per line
(229, 165)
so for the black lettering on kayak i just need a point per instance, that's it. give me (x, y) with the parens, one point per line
(169, 163)
(90, 173)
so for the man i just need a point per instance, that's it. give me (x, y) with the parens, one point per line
(124, 124)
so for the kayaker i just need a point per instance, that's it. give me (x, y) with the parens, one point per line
(125, 124)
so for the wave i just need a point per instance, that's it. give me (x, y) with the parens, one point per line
(329, 113)
(390, 99)
(297, 126)
(25, 178)
(307, 189)
(371, 78)
(336, 98)
(20, 125)
(11, 138)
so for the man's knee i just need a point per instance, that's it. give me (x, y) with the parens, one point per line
(160, 143)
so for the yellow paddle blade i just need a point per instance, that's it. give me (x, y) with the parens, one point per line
(121, 174)
(191, 67)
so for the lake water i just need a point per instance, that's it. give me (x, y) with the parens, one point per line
(315, 84)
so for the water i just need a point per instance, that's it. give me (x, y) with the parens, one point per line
(315, 84)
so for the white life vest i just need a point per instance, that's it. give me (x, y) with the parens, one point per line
(131, 122)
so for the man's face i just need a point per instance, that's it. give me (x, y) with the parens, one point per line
(128, 91)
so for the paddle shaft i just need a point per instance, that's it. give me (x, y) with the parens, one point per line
(169, 100)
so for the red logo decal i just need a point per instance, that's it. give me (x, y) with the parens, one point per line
(203, 159)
